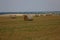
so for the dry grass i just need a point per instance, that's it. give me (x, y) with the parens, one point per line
(41, 28)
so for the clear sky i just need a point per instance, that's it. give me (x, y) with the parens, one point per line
(29, 5)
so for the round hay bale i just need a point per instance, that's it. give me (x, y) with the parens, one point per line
(48, 15)
(28, 18)
(36, 15)
(13, 16)
(25, 17)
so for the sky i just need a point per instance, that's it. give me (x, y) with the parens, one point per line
(29, 5)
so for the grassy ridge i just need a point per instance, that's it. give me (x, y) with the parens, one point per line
(42, 28)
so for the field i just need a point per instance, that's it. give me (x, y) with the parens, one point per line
(41, 28)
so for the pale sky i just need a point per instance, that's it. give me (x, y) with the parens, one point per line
(29, 5)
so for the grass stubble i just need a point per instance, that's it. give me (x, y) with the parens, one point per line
(41, 28)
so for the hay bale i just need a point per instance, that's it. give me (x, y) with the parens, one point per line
(36, 15)
(48, 15)
(13, 16)
(28, 18)
(25, 17)
(41, 14)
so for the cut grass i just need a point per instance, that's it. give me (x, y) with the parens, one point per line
(41, 28)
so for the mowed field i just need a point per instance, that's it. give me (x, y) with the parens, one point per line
(41, 28)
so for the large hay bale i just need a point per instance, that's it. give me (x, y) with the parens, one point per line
(28, 18)
(25, 17)
(36, 15)
(48, 14)
(13, 16)
(41, 14)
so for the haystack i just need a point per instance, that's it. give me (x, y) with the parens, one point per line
(37, 15)
(28, 18)
(13, 16)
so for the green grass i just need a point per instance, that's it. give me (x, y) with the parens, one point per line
(41, 28)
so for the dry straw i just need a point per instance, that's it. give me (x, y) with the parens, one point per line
(28, 18)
